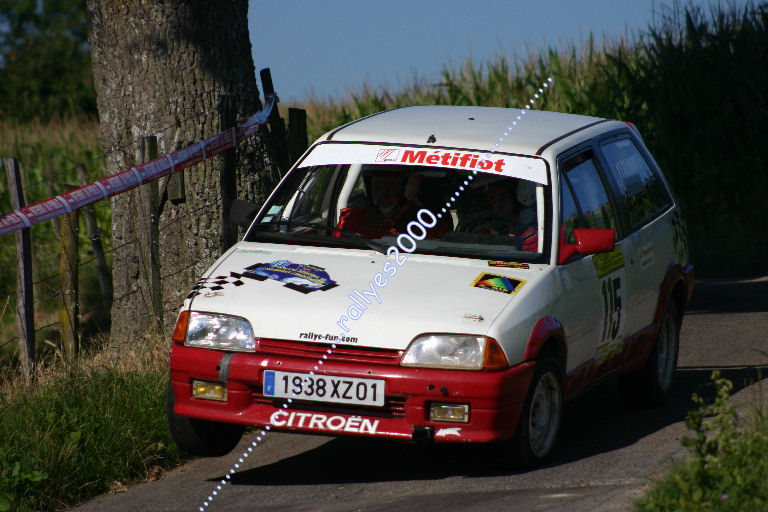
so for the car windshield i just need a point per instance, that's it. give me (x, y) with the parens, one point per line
(420, 208)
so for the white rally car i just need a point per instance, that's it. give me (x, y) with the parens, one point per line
(439, 274)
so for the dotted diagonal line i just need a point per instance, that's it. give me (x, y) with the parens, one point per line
(493, 149)
(453, 198)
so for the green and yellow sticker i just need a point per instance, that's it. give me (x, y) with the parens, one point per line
(607, 262)
(609, 351)
(508, 264)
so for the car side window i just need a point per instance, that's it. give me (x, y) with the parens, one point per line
(589, 191)
(641, 193)
(570, 217)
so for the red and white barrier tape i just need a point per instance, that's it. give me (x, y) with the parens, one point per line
(131, 178)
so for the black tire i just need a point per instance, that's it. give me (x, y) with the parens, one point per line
(650, 385)
(539, 422)
(201, 437)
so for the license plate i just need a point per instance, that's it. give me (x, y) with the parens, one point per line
(324, 388)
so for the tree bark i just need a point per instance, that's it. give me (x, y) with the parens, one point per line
(184, 65)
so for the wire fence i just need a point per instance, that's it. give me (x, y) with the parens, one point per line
(154, 212)
(125, 148)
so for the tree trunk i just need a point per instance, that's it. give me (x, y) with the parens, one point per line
(185, 66)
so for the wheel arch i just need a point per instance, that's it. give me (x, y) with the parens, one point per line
(677, 286)
(547, 338)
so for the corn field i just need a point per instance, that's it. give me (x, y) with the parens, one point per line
(694, 83)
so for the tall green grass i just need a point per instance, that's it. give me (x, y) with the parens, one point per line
(58, 146)
(84, 429)
(694, 83)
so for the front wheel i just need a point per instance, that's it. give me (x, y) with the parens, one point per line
(201, 437)
(650, 384)
(542, 414)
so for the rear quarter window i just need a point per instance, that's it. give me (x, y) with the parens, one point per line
(641, 194)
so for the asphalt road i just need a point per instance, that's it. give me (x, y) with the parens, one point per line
(607, 451)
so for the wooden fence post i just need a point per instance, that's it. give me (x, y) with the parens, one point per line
(149, 240)
(68, 283)
(175, 186)
(105, 279)
(297, 133)
(24, 293)
(276, 124)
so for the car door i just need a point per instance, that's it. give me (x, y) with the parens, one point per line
(594, 288)
(643, 204)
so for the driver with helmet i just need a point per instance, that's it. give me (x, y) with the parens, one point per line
(505, 215)
(389, 193)
(511, 211)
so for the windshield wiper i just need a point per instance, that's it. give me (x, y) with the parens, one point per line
(369, 243)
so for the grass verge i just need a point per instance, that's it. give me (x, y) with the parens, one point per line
(727, 469)
(83, 430)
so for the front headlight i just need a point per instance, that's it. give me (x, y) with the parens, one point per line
(221, 332)
(457, 351)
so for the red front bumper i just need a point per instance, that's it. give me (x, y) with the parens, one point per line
(495, 398)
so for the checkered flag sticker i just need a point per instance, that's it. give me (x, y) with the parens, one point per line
(214, 284)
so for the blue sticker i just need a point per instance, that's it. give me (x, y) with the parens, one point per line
(296, 276)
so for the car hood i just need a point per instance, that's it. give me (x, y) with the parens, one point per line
(311, 293)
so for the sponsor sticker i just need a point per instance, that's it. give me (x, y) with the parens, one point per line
(525, 167)
(498, 283)
(609, 351)
(508, 264)
(330, 338)
(388, 155)
(324, 422)
(212, 286)
(296, 276)
(452, 431)
(646, 255)
(254, 251)
(607, 262)
(679, 236)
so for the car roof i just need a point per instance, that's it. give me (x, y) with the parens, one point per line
(478, 128)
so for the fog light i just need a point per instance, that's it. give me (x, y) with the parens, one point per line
(449, 412)
(209, 390)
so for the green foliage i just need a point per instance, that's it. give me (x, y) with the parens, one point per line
(704, 81)
(16, 482)
(727, 468)
(45, 65)
(693, 84)
(58, 146)
(72, 438)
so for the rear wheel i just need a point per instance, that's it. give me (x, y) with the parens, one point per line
(201, 437)
(650, 384)
(542, 413)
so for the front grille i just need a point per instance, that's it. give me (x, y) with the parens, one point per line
(315, 351)
(394, 406)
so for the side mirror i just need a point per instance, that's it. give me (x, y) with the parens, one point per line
(588, 241)
(242, 212)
